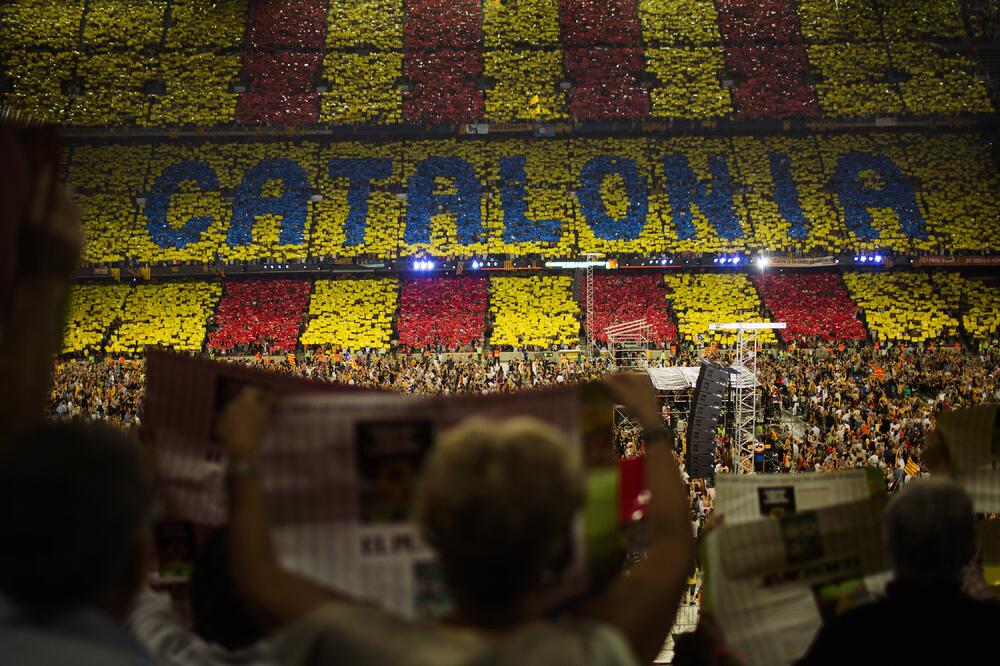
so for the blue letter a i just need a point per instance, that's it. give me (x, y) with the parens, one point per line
(249, 203)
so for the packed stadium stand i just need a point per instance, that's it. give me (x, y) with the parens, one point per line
(815, 306)
(620, 299)
(390, 62)
(165, 202)
(443, 197)
(259, 314)
(443, 313)
(245, 317)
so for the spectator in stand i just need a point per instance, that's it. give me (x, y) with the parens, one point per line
(850, 413)
(497, 501)
(930, 531)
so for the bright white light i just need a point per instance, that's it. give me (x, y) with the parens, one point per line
(736, 261)
(878, 258)
(763, 262)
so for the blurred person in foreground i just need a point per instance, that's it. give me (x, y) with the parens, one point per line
(497, 500)
(75, 545)
(48, 250)
(77, 499)
(925, 616)
(222, 632)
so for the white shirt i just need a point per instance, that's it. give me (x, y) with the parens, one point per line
(361, 635)
(161, 630)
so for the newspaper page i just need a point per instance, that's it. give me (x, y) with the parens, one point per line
(972, 437)
(338, 472)
(745, 498)
(771, 581)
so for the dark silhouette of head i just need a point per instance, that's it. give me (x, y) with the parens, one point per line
(77, 501)
(930, 529)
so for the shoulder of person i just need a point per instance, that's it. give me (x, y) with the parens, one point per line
(361, 635)
(568, 643)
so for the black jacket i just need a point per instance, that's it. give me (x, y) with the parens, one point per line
(916, 623)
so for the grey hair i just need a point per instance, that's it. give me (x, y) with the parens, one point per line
(497, 501)
(930, 529)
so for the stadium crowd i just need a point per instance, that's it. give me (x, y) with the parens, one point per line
(213, 139)
(851, 405)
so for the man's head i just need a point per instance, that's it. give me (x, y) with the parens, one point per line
(497, 501)
(930, 529)
(77, 503)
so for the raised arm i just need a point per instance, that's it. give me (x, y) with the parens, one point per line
(274, 594)
(48, 250)
(643, 601)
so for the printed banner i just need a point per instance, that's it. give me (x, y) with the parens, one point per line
(749, 498)
(802, 262)
(772, 581)
(338, 469)
(964, 260)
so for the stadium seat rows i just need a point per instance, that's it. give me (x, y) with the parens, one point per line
(978, 304)
(702, 299)
(120, 62)
(353, 314)
(450, 312)
(812, 305)
(620, 299)
(160, 202)
(267, 313)
(901, 307)
(534, 312)
(91, 312)
(173, 315)
(537, 311)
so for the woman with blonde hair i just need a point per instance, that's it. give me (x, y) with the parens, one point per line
(497, 500)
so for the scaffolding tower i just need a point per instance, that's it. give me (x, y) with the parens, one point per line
(591, 343)
(628, 343)
(747, 384)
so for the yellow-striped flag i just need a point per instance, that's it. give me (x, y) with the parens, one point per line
(291, 359)
(912, 468)
(533, 106)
